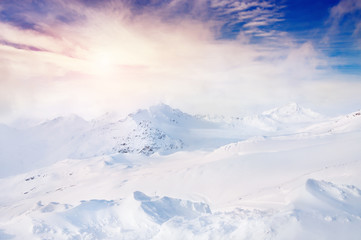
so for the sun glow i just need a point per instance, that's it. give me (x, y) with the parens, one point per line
(103, 62)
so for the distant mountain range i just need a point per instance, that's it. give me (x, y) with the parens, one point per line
(159, 129)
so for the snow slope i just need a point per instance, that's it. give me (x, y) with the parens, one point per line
(301, 185)
(348, 123)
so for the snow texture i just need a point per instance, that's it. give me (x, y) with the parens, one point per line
(159, 173)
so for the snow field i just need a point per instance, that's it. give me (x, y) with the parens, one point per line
(303, 184)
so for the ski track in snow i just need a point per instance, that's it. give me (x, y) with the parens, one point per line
(288, 173)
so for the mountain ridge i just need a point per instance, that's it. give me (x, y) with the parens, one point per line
(159, 128)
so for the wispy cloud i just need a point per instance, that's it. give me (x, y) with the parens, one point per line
(345, 18)
(256, 18)
(342, 37)
(343, 8)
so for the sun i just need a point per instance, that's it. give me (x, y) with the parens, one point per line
(103, 62)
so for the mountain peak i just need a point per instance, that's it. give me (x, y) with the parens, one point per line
(160, 112)
(288, 109)
(71, 118)
(292, 112)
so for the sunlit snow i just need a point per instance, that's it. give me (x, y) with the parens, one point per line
(159, 173)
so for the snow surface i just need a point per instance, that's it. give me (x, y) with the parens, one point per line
(159, 173)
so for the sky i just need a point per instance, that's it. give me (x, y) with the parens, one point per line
(203, 56)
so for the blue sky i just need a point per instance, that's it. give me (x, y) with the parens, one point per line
(92, 53)
(304, 20)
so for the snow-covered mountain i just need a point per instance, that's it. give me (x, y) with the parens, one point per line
(160, 129)
(159, 173)
(157, 129)
(285, 119)
(292, 113)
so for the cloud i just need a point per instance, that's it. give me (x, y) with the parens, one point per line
(345, 7)
(254, 18)
(347, 14)
(115, 57)
(342, 36)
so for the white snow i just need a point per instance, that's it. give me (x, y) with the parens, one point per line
(297, 178)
